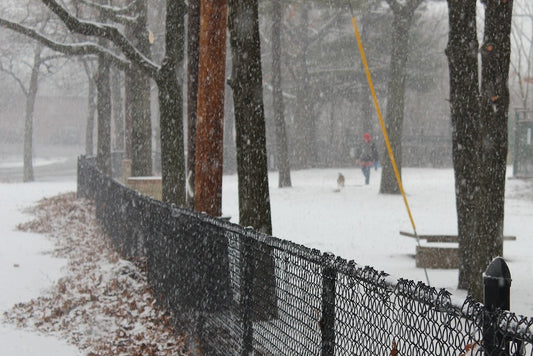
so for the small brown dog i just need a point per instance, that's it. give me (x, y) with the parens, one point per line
(340, 181)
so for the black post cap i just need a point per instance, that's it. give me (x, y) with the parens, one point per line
(497, 274)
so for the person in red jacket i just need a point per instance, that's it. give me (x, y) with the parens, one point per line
(367, 156)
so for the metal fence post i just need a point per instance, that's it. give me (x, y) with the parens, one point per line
(327, 323)
(247, 276)
(497, 292)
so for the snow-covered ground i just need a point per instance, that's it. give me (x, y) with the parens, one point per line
(38, 162)
(360, 224)
(25, 267)
(355, 223)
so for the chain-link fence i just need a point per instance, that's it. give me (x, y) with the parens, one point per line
(237, 291)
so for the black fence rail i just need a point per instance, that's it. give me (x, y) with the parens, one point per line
(237, 291)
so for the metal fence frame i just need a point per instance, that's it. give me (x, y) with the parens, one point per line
(214, 277)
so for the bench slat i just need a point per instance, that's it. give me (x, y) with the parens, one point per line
(445, 238)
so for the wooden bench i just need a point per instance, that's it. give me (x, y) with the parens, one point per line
(443, 256)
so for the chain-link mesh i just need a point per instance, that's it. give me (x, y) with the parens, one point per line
(236, 291)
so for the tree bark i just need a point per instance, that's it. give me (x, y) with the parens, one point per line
(252, 170)
(128, 115)
(402, 22)
(118, 109)
(141, 126)
(303, 117)
(284, 178)
(494, 106)
(139, 98)
(28, 175)
(365, 96)
(479, 122)
(193, 37)
(246, 82)
(103, 153)
(171, 107)
(91, 110)
(210, 112)
(464, 106)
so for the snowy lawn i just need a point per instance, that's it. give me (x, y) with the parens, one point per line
(360, 224)
(27, 267)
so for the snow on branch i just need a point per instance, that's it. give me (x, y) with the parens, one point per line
(104, 31)
(115, 14)
(113, 9)
(72, 49)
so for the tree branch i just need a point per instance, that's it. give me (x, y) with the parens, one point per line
(112, 9)
(15, 78)
(115, 14)
(73, 49)
(104, 31)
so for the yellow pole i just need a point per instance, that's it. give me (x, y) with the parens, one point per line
(381, 122)
(386, 136)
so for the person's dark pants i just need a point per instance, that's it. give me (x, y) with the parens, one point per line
(366, 173)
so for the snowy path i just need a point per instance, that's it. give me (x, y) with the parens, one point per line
(25, 268)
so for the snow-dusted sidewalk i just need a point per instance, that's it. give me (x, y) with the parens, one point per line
(26, 269)
(102, 304)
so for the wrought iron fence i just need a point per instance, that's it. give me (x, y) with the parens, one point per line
(237, 291)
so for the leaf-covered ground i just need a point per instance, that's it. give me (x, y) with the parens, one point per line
(103, 304)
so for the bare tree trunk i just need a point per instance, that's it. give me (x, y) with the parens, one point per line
(103, 153)
(303, 115)
(365, 97)
(494, 106)
(141, 127)
(171, 107)
(402, 22)
(210, 123)
(246, 82)
(128, 115)
(138, 97)
(118, 109)
(91, 109)
(192, 94)
(479, 121)
(464, 91)
(254, 197)
(277, 98)
(28, 175)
